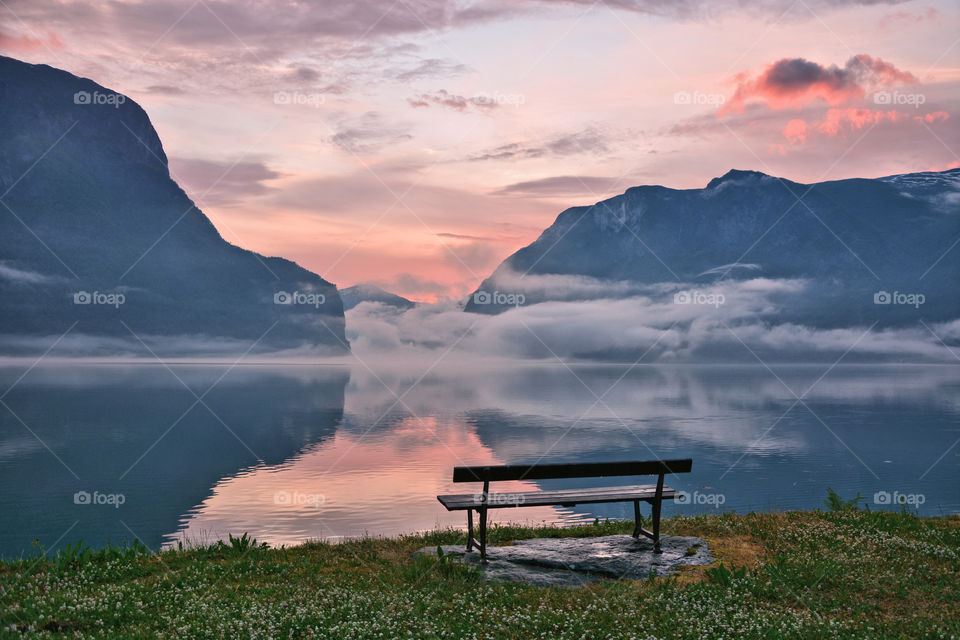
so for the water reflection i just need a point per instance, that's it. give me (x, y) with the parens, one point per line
(292, 453)
(140, 432)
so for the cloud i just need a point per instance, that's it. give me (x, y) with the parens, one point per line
(453, 101)
(690, 10)
(553, 186)
(164, 90)
(837, 122)
(244, 26)
(368, 133)
(28, 44)
(81, 345)
(366, 194)
(626, 328)
(796, 82)
(225, 21)
(304, 74)
(429, 68)
(479, 256)
(24, 276)
(935, 116)
(409, 284)
(222, 182)
(904, 18)
(590, 141)
(461, 236)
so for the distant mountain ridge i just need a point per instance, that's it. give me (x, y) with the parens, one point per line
(92, 217)
(847, 241)
(366, 292)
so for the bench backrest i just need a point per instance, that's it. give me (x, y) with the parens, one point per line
(574, 470)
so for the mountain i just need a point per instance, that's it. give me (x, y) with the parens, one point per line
(352, 296)
(849, 248)
(94, 231)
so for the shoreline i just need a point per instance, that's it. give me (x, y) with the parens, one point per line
(844, 573)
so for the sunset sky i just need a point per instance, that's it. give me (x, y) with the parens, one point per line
(416, 143)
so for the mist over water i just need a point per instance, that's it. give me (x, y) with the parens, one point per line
(296, 452)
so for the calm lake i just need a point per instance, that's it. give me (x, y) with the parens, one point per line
(288, 453)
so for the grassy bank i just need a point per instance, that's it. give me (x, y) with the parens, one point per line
(836, 574)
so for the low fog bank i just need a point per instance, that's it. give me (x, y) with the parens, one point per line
(77, 345)
(744, 321)
(732, 321)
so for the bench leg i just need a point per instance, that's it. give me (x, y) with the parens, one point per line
(656, 525)
(636, 518)
(483, 534)
(469, 529)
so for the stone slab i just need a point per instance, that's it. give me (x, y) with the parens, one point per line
(572, 562)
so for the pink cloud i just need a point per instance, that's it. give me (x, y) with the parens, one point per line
(899, 19)
(840, 120)
(26, 44)
(796, 131)
(795, 82)
(837, 121)
(930, 118)
(950, 165)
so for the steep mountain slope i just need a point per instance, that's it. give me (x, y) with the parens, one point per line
(88, 206)
(843, 241)
(352, 296)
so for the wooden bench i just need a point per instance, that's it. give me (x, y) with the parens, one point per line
(481, 502)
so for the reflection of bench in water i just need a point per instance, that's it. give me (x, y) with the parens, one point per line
(482, 502)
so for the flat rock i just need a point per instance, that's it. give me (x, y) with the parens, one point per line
(571, 562)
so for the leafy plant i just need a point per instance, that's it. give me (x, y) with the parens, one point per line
(242, 544)
(835, 503)
(724, 576)
(72, 554)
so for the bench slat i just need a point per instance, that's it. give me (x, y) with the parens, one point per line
(573, 470)
(459, 502)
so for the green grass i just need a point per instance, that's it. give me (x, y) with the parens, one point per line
(844, 573)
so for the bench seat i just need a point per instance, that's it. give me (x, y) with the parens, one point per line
(483, 501)
(559, 497)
